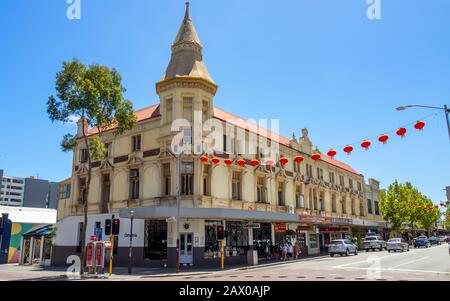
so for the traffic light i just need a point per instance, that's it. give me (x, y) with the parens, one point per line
(220, 233)
(108, 227)
(115, 226)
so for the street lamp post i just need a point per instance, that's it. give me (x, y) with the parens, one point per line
(444, 108)
(177, 231)
(130, 259)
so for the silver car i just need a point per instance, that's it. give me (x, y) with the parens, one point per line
(374, 242)
(397, 244)
(342, 247)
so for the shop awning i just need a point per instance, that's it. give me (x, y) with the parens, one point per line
(41, 230)
(208, 213)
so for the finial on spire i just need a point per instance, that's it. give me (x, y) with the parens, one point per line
(186, 15)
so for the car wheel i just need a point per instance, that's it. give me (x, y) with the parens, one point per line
(381, 248)
(356, 251)
(389, 251)
(341, 254)
(331, 254)
(347, 252)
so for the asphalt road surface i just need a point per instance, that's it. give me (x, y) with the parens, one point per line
(417, 264)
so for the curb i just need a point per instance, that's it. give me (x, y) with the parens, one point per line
(176, 275)
(279, 263)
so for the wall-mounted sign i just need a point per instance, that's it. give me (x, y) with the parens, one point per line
(187, 167)
(251, 225)
(279, 227)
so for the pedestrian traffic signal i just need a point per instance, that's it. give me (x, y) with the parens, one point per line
(115, 226)
(220, 232)
(108, 227)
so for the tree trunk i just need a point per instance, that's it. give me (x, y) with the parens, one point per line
(85, 204)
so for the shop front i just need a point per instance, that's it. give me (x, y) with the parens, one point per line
(320, 230)
(198, 238)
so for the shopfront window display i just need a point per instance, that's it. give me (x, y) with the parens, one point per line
(237, 241)
(313, 242)
(262, 239)
(212, 245)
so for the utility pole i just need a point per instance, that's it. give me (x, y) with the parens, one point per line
(130, 257)
(177, 260)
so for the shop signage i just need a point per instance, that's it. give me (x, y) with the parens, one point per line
(313, 219)
(305, 228)
(252, 225)
(317, 219)
(128, 235)
(279, 227)
(345, 221)
(334, 229)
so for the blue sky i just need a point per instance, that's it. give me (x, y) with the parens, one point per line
(320, 64)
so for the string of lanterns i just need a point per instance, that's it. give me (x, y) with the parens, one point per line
(383, 138)
(348, 149)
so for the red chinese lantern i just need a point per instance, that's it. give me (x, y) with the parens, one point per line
(366, 144)
(215, 160)
(254, 162)
(348, 149)
(227, 161)
(299, 159)
(331, 153)
(315, 156)
(401, 132)
(448, 202)
(419, 125)
(284, 160)
(383, 138)
(204, 159)
(241, 162)
(436, 207)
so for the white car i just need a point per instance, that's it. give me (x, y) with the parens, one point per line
(342, 247)
(397, 244)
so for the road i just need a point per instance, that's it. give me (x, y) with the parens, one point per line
(417, 264)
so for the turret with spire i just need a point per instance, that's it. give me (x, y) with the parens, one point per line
(186, 86)
(186, 60)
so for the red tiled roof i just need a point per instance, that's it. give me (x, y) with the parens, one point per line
(153, 111)
(142, 114)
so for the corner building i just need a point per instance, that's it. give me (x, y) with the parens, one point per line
(309, 203)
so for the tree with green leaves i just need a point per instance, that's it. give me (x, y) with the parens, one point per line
(94, 95)
(404, 203)
(394, 205)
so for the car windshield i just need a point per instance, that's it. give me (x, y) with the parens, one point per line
(336, 242)
(394, 240)
(421, 237)
(370, 238)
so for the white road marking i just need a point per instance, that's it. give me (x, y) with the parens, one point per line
(398, 270)
(408, 262)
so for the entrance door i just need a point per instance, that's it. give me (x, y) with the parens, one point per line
(186, 248)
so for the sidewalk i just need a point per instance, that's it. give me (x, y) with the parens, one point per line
(15, 272)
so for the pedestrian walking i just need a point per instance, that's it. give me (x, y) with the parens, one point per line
(291, 250)
(285, 251)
